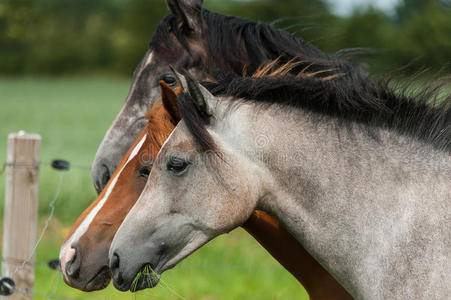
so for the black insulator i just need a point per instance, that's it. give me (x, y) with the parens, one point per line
(54, 264)
(60, 164)
(7, 286)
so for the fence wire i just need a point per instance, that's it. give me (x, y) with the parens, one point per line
(46, 225)
(6, 287)
(44, 163)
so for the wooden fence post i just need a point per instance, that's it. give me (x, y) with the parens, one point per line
(20, 213)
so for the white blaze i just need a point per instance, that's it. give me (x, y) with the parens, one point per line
(81, 229)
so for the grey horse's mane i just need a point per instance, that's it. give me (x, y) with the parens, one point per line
(420, 113)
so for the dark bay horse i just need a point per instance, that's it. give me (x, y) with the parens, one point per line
(202, 41)
(84, 255)
(361, 177)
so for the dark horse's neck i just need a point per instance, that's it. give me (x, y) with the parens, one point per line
(241, 46)
(234, 42)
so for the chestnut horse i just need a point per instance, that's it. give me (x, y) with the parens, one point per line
(84, 254)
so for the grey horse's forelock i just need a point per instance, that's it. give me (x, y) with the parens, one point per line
(196, 123)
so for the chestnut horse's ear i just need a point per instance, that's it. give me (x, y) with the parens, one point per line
(187, 12)
(169, 99)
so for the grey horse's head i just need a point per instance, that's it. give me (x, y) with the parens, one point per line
(192, 195)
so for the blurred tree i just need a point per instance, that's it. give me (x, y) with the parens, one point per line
(62, 36)
(368, 28)
(71, 35)
(418, 36)
(408, 8)
(425, 39)
(133, 31)
(304, 18)
(16, 19)
(54, 36)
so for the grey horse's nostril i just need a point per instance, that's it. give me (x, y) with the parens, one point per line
(97, 187)
(114, 267)
(114, 262)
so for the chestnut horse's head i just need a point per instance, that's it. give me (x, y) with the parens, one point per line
(84, 255)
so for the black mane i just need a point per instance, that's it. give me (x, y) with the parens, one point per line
(424, 116)
(233, 43)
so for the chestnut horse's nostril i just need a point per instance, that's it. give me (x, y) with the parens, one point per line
(73, 265)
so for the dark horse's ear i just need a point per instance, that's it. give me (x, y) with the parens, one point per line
(169, 99)
(187, 12)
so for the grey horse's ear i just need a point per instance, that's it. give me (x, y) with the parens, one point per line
(201, 96)
(187, 12)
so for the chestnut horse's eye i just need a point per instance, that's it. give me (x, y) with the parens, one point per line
(169, 79)
(177, 165)
(144, 172)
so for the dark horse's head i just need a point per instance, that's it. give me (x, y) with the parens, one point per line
(202, 42)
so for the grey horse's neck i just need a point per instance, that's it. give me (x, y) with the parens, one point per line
(374, 209)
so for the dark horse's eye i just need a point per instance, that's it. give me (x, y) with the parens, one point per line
(177, 165)
(144, 172)
(169, 79)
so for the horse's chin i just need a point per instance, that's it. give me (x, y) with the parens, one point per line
(143, 284)
(100, 281)
(146, 278)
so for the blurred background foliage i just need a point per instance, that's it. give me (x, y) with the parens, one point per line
(54, 37)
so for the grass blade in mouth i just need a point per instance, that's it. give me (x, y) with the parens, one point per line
(145, 278)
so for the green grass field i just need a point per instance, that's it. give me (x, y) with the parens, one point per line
(72, 115)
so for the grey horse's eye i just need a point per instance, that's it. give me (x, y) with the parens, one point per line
(169, 79)
(177, 165)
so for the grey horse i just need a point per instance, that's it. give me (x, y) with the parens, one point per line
(360, 176)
